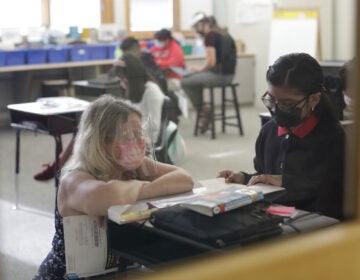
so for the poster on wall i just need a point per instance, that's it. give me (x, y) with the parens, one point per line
(294, 31)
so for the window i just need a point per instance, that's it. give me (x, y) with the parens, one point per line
(20, 14)
(152, 15)
(144, 17)
(80, 13)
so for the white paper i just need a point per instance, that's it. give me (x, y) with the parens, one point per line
(219, 183)
(85, 246)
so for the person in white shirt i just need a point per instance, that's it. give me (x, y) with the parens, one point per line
(144, 93)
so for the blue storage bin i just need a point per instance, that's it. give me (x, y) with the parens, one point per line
(111, 51)
(98, 52)
(79, 53)
(15, 57)
(36, 56)
(2, 58)
(58, 54)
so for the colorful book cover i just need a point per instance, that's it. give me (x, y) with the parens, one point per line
(221, 201)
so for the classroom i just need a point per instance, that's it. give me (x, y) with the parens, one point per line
(67, 54)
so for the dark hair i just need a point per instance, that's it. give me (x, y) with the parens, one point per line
(201, 17)
(129, 43)
(132, 68)
(163, 34)
(302, 73)
(296, 71)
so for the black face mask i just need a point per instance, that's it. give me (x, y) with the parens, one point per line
(291, 118)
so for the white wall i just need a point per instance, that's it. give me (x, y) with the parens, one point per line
(345, 29)
(337, 32)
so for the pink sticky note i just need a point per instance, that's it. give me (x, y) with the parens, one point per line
(285, 211)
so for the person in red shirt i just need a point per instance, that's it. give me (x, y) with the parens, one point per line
(167, 52)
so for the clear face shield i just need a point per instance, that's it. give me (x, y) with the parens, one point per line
(134, 145)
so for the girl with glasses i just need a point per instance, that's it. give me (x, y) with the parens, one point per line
(302, 147)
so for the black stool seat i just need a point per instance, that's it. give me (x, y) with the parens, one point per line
(51, 88)
(222, 115)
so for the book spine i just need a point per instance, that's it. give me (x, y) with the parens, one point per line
(236, 203)
(249, 198)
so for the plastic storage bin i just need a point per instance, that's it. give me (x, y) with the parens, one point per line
(36, 56)
(58, 54)
(2, 58)
(98, 52)
(79, 53)
(111, 51)
(187, 49)
(15, 57)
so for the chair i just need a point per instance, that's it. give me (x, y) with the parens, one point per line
(222, 116)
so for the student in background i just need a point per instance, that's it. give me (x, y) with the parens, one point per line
(346, 75)
(130, 45)
(219, 67)
(108, 167)
(168, 52)
(302, 147)
(141, 90)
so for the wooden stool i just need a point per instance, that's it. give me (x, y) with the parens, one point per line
(222, 116)
(51, 88)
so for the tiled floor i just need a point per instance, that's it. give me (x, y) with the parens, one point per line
(26, 234)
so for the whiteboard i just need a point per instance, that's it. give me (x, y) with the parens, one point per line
(293, 31)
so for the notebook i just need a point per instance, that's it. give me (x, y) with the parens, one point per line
(180, 71)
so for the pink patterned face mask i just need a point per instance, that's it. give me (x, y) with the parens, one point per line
(131, 155)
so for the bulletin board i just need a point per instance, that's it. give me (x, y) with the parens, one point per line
(294, 31)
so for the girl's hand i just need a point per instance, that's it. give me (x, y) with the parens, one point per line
(275, 180)
(231, 177)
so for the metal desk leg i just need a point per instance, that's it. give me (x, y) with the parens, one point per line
(17, 169)
(58, 148)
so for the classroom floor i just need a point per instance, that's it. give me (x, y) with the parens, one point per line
(26, 234)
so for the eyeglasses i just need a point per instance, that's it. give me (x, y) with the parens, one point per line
(270, 103)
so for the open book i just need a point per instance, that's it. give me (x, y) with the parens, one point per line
(86, 247)
(141, 210)
(222, 201)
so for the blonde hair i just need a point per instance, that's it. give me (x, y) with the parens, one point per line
(99, 125)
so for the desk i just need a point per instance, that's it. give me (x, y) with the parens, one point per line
(142, 243)
(52, 116)
(89, 91)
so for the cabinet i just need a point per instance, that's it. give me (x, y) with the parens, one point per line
(245, 71)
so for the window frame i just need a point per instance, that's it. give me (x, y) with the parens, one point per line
(150, 34)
